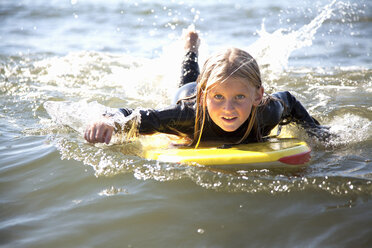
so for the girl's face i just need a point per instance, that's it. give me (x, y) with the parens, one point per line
(230, 103)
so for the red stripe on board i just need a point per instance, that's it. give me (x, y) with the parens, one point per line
(300, 158)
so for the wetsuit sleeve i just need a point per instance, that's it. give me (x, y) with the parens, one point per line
(177, 119)
(285, 108)
(292, 110)
(190, 68)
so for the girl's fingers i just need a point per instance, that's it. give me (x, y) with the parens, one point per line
(99, 133)
(92, 135)
(108, 135)
(87, 135)
(104, 133)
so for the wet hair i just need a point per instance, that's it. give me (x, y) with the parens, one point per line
(219, 67)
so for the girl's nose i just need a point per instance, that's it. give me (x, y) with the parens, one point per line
(229, 105)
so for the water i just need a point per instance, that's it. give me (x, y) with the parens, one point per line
(58, 191)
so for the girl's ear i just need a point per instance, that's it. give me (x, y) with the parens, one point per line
(258, 96)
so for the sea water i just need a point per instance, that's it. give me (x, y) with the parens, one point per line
(64, 62)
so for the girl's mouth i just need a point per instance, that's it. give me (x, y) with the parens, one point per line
(229, 119)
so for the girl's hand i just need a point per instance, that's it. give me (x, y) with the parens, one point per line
(99, 132)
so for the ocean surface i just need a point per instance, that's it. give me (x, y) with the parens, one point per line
(56, 190)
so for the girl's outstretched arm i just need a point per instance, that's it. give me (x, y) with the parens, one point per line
(176, 119)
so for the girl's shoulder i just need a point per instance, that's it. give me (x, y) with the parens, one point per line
(270, 110)
(269, 99)
(282, 98)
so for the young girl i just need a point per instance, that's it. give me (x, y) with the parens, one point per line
(226, 105)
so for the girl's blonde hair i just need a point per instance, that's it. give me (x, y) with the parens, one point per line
(229, 63)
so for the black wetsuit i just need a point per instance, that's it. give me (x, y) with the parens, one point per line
(179, 118)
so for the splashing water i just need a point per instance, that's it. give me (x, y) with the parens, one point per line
(350, 129)
(273, 50)
(79, 115)
(76, 115)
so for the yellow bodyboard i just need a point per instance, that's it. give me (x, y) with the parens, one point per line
(288, 151)
(282, 150)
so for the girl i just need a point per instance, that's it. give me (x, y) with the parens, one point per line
(225, 105)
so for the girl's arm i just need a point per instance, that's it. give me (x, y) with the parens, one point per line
(177, 119)
(294, 111)
(285, 108)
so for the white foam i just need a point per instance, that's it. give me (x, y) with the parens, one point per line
(272, 50)
(350, 129)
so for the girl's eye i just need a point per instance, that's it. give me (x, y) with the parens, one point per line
(218, 96)
(240, 97)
